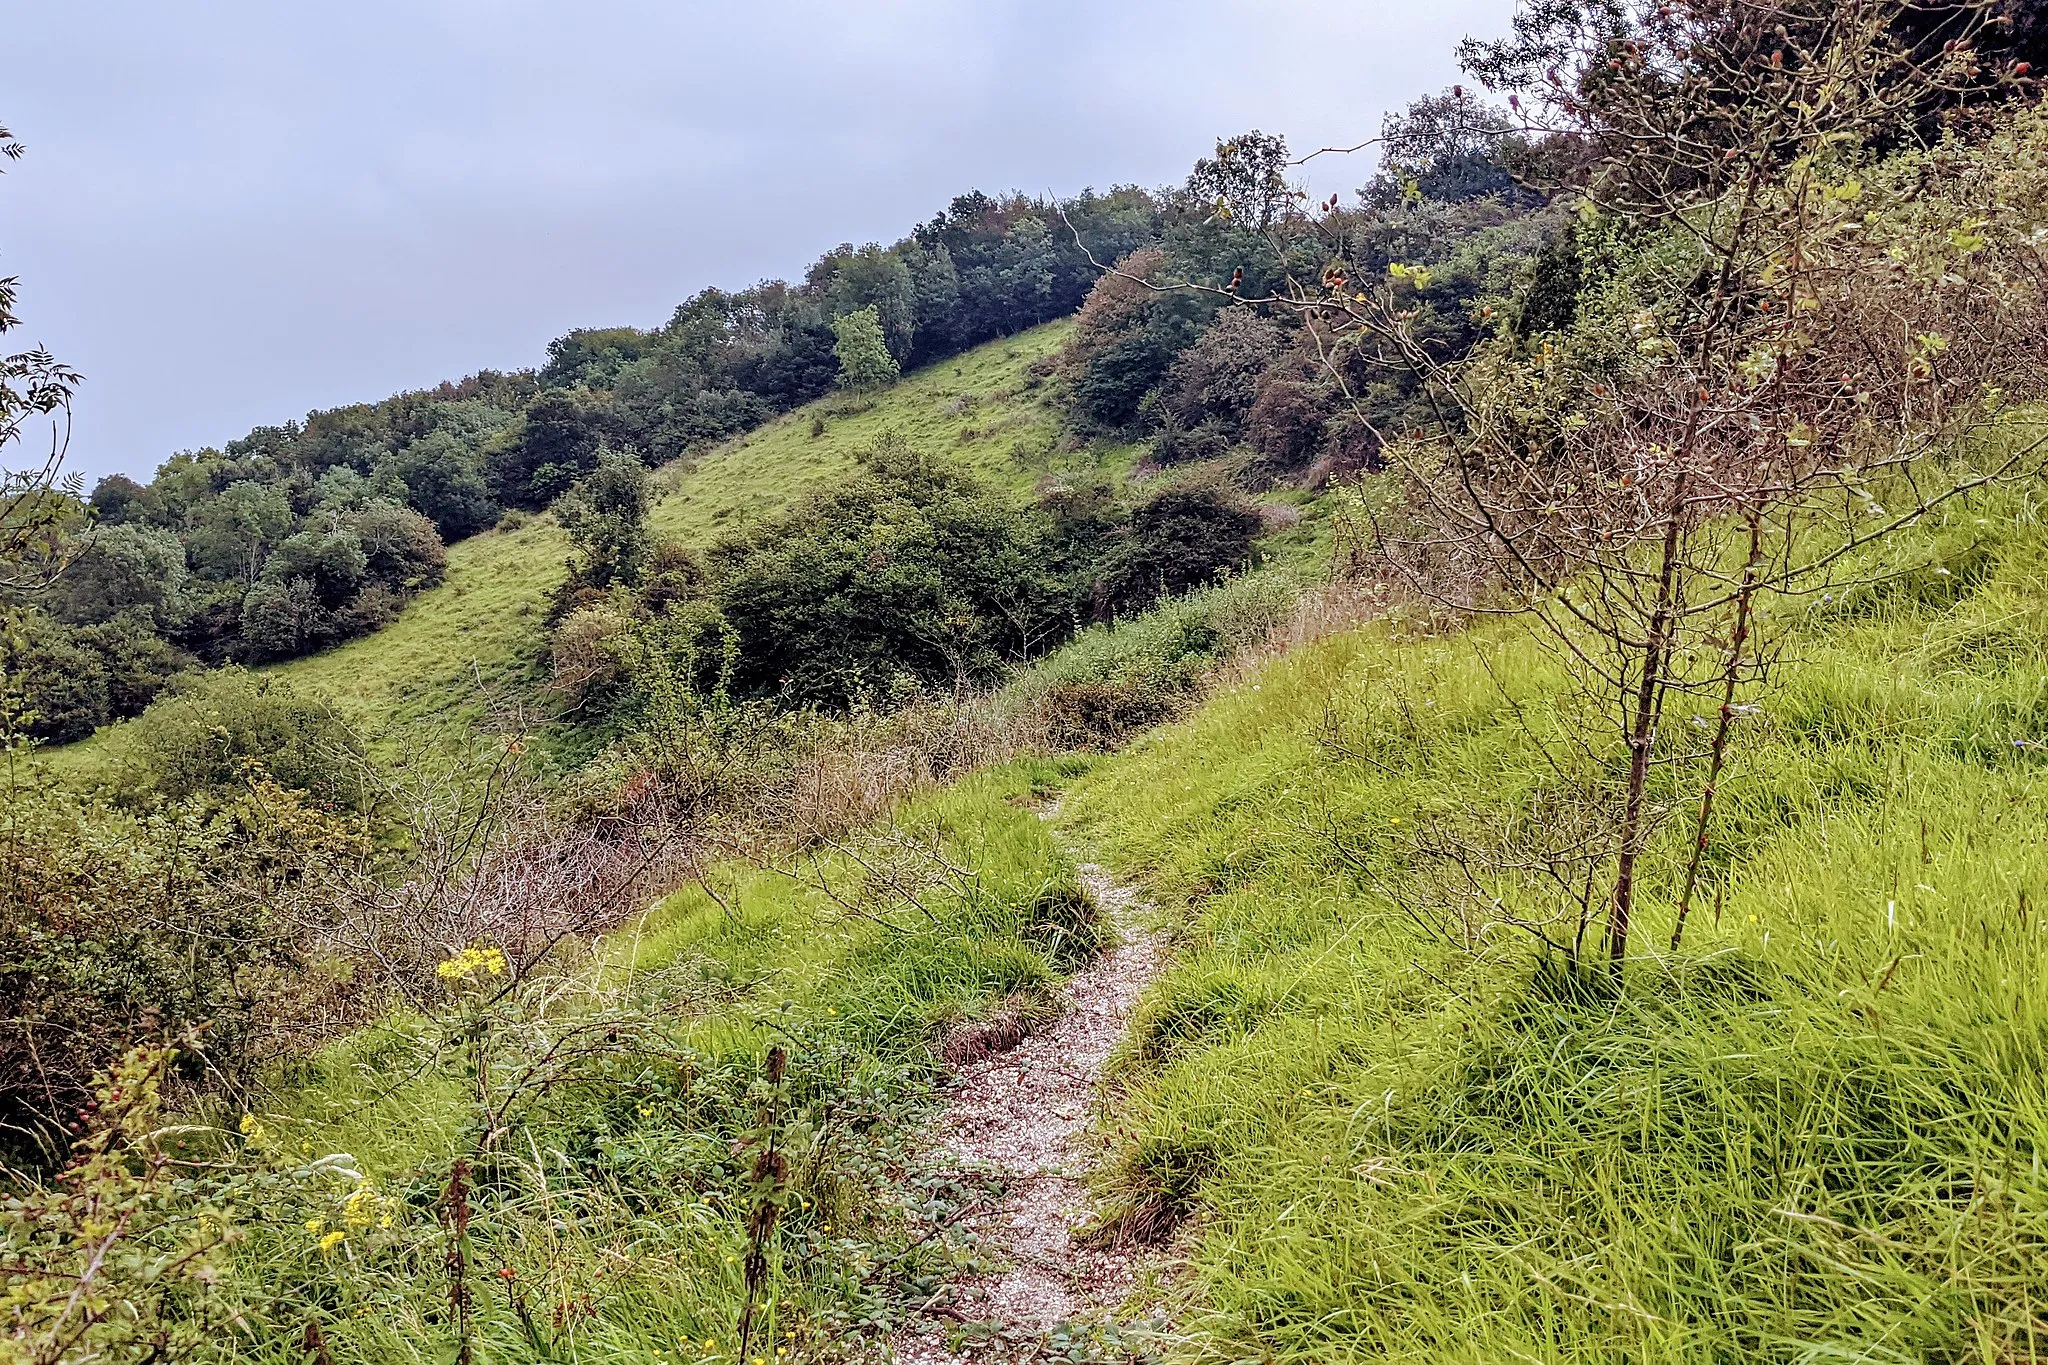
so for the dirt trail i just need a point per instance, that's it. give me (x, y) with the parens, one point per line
(1020, 1115)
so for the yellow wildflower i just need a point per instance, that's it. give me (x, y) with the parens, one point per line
(332, 1240)
(315, 1224)
(481, 957)
(359, 1210)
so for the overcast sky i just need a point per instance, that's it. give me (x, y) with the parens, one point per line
(234, 211)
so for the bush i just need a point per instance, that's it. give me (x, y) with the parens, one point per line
(122, 926)
(1215, 381)
(58, 683)
(1180, 538)
(402, 552)
(207, 733)
(138, 661)
(605, 515)
(908, 573)
(1124, 340)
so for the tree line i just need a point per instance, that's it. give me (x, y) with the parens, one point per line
(295, 537)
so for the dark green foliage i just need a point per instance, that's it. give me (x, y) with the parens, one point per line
(1125, 339)
(1245, 183)
(117, 568)
(606, 518)
(592, 357)
(138, 660)
(907, 572)
(1153, 354)
(1551, 302)
(1182, 537)
(444, 481)
(55, 683)
(1208, 392)
(871, 278)
(556, 445)
(344, 573)
(206, 731)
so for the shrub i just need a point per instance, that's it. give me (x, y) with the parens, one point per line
(210, 729)
(401, 549)
(120, 926)
(1215, 381)
(1181, 537)
(909, 572)
(58, 685)
(138, 661)
(586, 652)
(606, 517)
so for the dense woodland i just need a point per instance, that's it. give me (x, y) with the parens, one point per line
(1601, 928)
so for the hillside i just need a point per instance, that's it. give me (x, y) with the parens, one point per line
(1376, 1120)
(1408, 1133)
(479, 636)
(1470, 789)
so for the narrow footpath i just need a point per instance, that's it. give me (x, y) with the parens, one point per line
(1021, 1116)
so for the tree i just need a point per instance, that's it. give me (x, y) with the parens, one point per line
(232, 534)
(400, 548)
(36, 500)
(444, 481)
(876, 280)
(865, 363)
(1245, 182)
(1126, 337)
(1820, 322)
(114, 568)
(556, 444)
(58, 684)
(606, 518)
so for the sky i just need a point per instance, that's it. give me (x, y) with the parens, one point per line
(236, 211)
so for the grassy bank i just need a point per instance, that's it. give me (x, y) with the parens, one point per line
(1812, 1134)
(612, 1122)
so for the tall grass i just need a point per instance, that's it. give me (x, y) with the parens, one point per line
(606, 1204)
(1813, 1135)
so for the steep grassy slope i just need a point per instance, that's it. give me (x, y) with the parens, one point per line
(1814, 1134)
(480, 633)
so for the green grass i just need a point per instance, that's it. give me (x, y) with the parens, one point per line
(1814, 1134)
(621, 1190)
(980, 408)
(478, 639)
